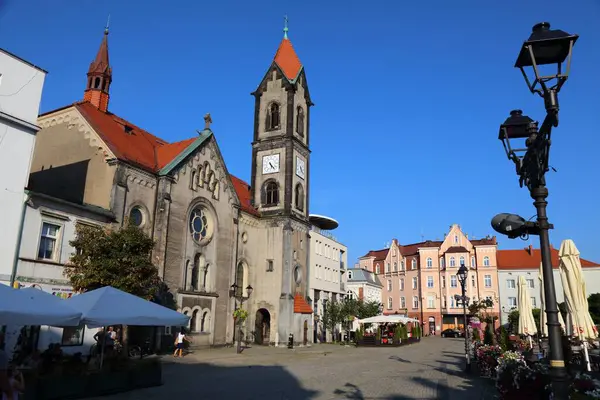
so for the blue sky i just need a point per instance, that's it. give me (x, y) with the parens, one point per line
(409, 97)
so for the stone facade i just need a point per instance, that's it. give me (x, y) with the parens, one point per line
(211, 229)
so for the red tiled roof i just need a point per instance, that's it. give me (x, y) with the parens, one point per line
(457, 249)
(129, 142)
(287, 60)
(484, 242)
(301, 306)
(530, 258)
(243, 192)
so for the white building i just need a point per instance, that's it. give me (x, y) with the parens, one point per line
(364, 285)
(526, 262)
(327, 273)
(21, 86)
(49, 225)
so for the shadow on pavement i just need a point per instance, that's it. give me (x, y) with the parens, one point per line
(212, 382)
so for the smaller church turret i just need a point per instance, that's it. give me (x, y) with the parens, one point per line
(99, 77)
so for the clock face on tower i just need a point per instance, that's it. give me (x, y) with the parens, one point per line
(270, 164)
(300, 167)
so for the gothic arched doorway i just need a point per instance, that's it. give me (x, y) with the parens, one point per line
(262, 333)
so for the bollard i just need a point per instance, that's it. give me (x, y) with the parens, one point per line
(291, 341)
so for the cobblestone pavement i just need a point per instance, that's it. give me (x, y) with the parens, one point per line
(431, 369)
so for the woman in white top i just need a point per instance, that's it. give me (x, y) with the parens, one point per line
(179, 342)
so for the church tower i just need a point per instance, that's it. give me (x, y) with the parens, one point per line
(99, 77)
(280, 150)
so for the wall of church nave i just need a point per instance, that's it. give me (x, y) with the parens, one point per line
(203, 319)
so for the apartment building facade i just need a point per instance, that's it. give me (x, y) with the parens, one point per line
(419, 280)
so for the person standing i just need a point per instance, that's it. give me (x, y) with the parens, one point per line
(180, 343)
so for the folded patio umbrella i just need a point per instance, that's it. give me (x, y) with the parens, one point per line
(526, 321)
(109, 306)
(28, 307)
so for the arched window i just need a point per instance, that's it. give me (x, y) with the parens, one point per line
(205, 277)
(377, 269)
(194, 321)
(395, 266)
(195, 272)
(193, 180)
(402, 265)
(270, 193)
(461, 260)
(429, 262)
(299, 197)
(239, 280)
(97, 83)
(273, 117)
(300, 121)
(486, 261)
(452, 262)
(204, 322)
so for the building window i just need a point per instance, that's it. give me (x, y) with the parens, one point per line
(269, 265)
(510, 283)
(415, 302)
(443, 281)
(486, 261)
(72, 335)
(430, 302)
(401, 284)
(402, 268)
(300, 121)
(387, 268)
(413, 264)
(49, 242)
(512, 301)
(442, 262)
(377, 269)
(415, 282)
(349, 275)
(136, 217)
(395, 266)
(273, 117)
(453, 281)
(389, 285)
(472, 261)
(429, 262)
(402, 302)
(473, 284)
(455, 239)
(390, 303)
(461, 261)
(239, 280)
(487, 279)
(533, 303)
(452, 262)
(270, 193)
(299, 197)
(452, 302)
(394, 251)
(430, 281)
(445, 302)
(530, 283)
(199, 224)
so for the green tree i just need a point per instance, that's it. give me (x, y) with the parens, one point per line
(367, 309)
(118, 258)
(594, 307)
(513, 321)
(481, 309)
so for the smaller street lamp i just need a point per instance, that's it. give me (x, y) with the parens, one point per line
(462, 275)
(236, 292)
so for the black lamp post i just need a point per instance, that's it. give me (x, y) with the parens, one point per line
(236, 292)
(545, 47)
(462, 275)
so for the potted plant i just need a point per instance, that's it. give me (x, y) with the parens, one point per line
(515, 380)
(487, 359)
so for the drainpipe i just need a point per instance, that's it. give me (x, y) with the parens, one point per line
(13, 274)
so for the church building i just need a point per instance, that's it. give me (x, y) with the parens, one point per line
(212, 230)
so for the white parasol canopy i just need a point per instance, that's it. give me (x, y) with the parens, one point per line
(382, 319)
(526, 321)
(109, 306)
(543, 318)
(575, 292)
(26, 307)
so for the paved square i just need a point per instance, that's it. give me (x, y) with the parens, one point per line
(431, 369)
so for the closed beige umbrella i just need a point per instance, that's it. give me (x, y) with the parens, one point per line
(543, 317)
(575, 294)
(526, 322)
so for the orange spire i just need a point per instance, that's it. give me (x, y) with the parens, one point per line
(99, 77)
(286, 58)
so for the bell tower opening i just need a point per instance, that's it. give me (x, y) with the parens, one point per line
(99, 77)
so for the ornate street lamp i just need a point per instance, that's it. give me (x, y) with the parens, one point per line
(462, 275)
(545, 47)
(236, 292)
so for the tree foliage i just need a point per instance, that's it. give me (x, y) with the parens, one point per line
(345, 310)
(118, 258)
(481, 309)
(594, 307)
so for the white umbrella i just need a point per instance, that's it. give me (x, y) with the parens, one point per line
(109, 306)
(575, 294)
(526, 322)
(543, 318)
(26, 307)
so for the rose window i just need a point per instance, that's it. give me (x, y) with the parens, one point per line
(199, 224)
